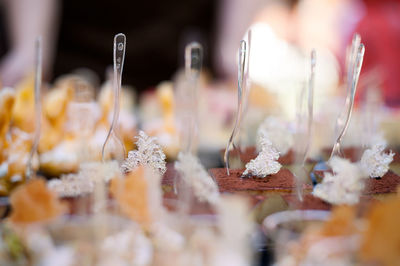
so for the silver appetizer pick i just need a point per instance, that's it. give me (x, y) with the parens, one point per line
(193, 65)
(356, 69)
(241, 68)
(351, 57)
(38, 106)
(193, 60)
(247, 80)
(351, 54)
(304, 140)
(189, 114)
(118, 58)
(246, 86)
(311, 84)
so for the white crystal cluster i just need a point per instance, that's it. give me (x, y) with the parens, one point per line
(266, 162)
(72, 185)
(148, 153)
(344, 186)
(194, 174)
(277, 132)
(375, 161)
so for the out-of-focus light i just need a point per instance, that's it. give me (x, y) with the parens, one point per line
(282, 69)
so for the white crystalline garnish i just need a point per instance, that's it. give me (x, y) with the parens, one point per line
(266, 162)
(148, 153)
(277, 132)
(83, 182)
(344, 186)
(375, 161)
(71, 185)
(194, 174)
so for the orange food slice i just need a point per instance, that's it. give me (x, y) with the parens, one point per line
(34, 202)
(131, 194)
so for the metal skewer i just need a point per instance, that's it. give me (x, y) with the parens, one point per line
(241, 69)
(336, 151)
(38, 106)
(118, 58)
(193, 65)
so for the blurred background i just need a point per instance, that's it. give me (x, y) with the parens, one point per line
(79, 34)
(77, 39)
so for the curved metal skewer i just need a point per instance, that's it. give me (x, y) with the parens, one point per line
(193, 60)
(336, 151)
(241, 68)
(301, 172)
(246, 86)
(351, 56)
(38, 106)
(118, 60)
(193, 65)
(311, 84)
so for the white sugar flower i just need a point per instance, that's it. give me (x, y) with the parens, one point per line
(148, 153)
(375, 161)
(194, 174)
(277, 132)
(344, 186)
(266, 162)
(72, 185)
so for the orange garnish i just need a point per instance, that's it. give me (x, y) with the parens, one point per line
(7, 100)
(381, 239)
(341, 222)
(131, 194)
(34, 202)
(23, 112)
